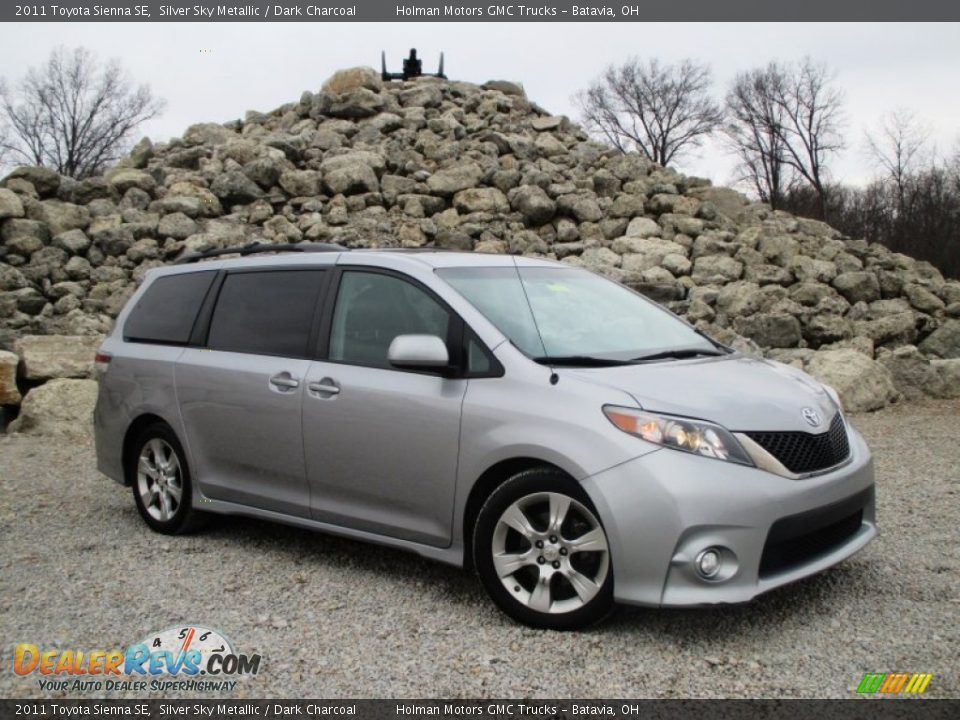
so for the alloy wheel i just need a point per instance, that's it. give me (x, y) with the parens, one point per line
(550, 552)
(160, 480)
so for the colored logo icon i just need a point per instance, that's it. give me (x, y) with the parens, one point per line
(894, 683)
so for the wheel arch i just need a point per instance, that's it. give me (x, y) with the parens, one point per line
(130, 437)
(492, 478)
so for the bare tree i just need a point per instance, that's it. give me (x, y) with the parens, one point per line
(791, 117)
(898, 147)
(661, 110)
(813, 114)
(72, 114)
(754, 132)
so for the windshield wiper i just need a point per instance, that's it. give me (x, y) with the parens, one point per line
(581, 361)
(678, 354)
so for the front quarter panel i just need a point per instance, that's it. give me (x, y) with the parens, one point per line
(523, 415)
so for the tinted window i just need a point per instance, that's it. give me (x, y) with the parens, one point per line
(372, 309)
(266, 313)
(166, 310)
(478, 361)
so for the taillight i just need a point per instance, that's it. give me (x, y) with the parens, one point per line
(101, 361)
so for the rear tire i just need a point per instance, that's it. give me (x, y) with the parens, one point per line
(542, 553)
(161, 482)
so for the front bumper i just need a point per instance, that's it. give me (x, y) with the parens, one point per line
(662, 510)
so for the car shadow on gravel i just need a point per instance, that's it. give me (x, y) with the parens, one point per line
(306, 548)
(811, 600)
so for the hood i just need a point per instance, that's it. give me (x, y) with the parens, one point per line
(741, 393)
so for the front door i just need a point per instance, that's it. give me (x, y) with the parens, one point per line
(381, 444)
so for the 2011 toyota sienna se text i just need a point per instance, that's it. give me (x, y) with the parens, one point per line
(572, 441)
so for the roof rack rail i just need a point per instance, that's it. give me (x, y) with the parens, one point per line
(256, 247)
(412, 250)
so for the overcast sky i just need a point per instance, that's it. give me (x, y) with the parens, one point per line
(217, 71)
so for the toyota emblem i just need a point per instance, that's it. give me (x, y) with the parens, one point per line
(811, 416)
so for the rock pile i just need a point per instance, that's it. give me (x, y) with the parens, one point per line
(432, 163)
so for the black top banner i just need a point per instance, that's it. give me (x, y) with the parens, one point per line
(427, 11)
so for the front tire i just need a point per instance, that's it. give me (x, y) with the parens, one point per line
(162, 488)
(542, 553)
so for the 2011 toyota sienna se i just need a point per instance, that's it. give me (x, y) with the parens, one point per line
(574, 442)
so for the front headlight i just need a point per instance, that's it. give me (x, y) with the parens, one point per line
(692, 436)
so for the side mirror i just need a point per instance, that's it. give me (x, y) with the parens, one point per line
(418, 352)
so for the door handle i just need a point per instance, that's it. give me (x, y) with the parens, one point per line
(325, 387)
(285, 381)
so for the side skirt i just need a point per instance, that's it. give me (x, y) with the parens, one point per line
(452, 555)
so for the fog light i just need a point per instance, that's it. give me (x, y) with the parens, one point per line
(708, 562)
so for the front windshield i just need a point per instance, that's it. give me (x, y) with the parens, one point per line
(578, 314)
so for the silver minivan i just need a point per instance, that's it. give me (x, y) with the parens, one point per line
(575, 443)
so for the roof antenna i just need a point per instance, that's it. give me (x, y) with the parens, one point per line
(554, 378)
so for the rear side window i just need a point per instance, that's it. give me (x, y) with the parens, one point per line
(266, 313)
(166, 311)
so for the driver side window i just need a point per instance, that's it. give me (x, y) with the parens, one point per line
(372, 309)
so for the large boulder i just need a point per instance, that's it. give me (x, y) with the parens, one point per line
(643, 227)
(44, 180)
(896, 329)
(59, 216)
(74, 242)
(351, 178)
(176, 225)
(359, 103)
(10, 205)
(350, 79)
(57, 356)
(9, 393)
(948, 371)
(728, 202)
(533, 203)
(24, 237)
(58, 408)
(235, 188)
(584, 208)
(863, 384)
(123, 179)
(300, 183)
(912, 372)
(944, 342)
(922, 299)
(485, 200)
(826, 328)
(448, 181)
(772, 330)
(716, 269)
(654, 247)
(506, 87)
(740, 298)
(207, 134)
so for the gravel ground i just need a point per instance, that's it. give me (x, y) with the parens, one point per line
(336, 618)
